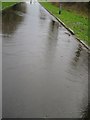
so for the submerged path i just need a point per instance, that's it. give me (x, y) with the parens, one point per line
(45, 69)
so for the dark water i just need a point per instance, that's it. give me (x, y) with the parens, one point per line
(45, 70)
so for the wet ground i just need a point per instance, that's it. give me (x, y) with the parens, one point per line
(0, 66)
(45, 69)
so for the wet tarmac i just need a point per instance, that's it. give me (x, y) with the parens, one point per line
(45, 69)
(0, 66)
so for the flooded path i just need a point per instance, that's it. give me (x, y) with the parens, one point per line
(45, 70)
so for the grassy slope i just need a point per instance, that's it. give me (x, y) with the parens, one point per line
(78, 23)
(7, 4)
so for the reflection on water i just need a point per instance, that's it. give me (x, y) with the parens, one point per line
(78, 52)
(20, 7)
(86, 112)
(42, 14)
(78, 61)
(77, 55)
(53, 30)
(12, 18)
(52, 39)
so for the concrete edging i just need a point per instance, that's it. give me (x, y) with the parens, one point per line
(69, 29)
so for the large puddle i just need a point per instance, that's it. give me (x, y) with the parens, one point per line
(45, 70)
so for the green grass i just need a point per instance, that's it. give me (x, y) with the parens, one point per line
(7, 4)
(0, 5)
(77, 22)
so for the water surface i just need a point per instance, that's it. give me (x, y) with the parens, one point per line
(45, 69)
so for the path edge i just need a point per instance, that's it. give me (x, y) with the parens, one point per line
(69, 29)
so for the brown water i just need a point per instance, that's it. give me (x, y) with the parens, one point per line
(45, 69)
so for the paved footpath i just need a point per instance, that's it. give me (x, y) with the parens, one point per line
(45, 69)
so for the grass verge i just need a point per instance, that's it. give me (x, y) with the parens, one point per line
(7, 4)
(77, 22)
